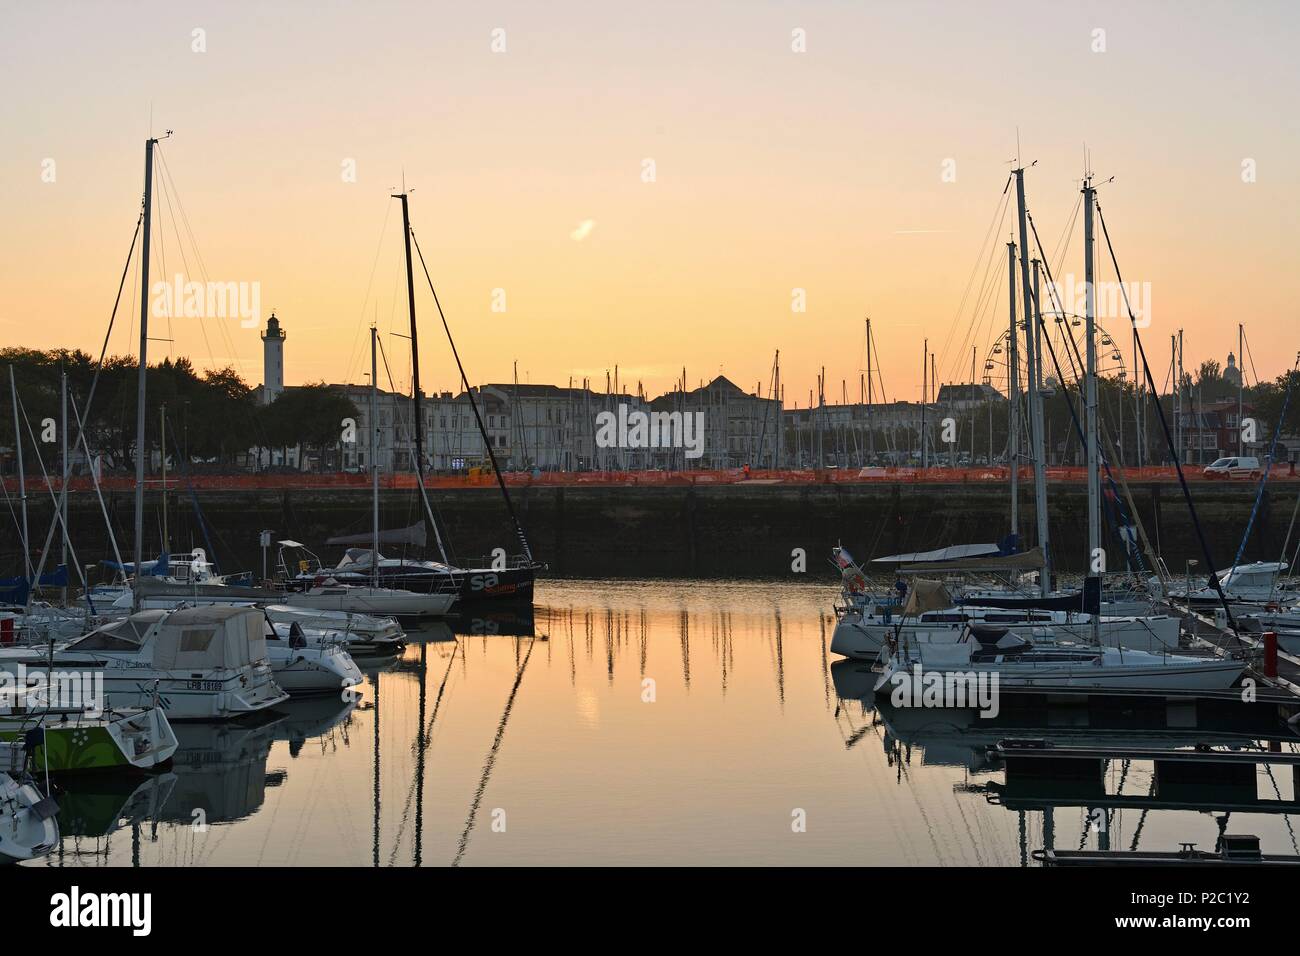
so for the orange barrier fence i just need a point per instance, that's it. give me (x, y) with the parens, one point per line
(307, 481)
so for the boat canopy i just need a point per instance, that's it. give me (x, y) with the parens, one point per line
(197, 638)
(926, 595)
(357, 557)
(1258, 574)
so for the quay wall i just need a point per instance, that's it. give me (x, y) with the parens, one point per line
(749, 529)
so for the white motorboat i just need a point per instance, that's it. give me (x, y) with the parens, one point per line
(29, 826)
(1254, 583)
(860, 633)
(207, 663)
(990, 653)
(364, 635)
(69, 740)
(329, 595)
(306, 662)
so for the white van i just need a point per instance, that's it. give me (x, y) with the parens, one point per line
(1234, 468)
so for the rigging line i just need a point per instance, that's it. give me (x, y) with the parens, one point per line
(226, 339)
(1169, 440)
(1286, 546)
(72, 551)
(1250, 352)
(416, 749)
(995, 225)
(94, 480)
(492, 755)
(398, 419)
(1108, 452)
(354, 354)
(1268, 465)
(99, 367)
(185, 264)
(519, 531)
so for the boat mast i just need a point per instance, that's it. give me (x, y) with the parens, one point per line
(1090, 380)
(925, 394)
(1241, 383)
(162, 458)
(374, 462)
(63, 485)
(415, 376)
(22, 485)
(1013, 394)
(144, 365)
(415, 343)
(1032, 360)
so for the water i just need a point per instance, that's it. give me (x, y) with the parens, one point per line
(545, 752)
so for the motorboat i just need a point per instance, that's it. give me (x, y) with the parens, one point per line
(306, 662)
(364, 635)
(201, 663)
(72, 740)
(29, 826)
(1255, 583)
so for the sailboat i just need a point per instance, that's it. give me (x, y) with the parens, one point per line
(986, 650)
(339, 589)
(508, 581)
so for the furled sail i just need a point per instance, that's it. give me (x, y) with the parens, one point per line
(414, 535)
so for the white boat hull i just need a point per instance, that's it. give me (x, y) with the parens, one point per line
(314, 669)
(862, 638)
(215, 695)
(378, 601)
(25, 833)
(1112, 669)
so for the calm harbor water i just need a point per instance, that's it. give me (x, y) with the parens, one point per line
(646, 723)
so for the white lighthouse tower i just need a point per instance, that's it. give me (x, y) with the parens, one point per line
(272, 360)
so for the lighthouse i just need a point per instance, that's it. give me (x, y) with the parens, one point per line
(272, 360)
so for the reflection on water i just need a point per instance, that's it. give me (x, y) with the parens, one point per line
(652, 723)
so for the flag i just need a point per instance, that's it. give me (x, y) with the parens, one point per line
(844, 559)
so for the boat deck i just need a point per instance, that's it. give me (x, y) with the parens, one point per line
(1207, 635)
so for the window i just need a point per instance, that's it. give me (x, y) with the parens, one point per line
(196, 640)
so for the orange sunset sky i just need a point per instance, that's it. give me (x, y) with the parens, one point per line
(774, 170)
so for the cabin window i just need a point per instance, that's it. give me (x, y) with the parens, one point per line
(196, 640)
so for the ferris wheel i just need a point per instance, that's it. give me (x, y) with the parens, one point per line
(1067, 343)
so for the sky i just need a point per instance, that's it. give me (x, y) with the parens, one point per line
(648, 186)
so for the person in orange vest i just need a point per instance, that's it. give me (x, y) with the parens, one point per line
(746, 469)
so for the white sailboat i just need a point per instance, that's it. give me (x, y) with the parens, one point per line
(1017, 664)
(860, 633)
(330, 595)
(988, 652)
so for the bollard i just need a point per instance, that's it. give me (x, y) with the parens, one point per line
(1270, 654)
